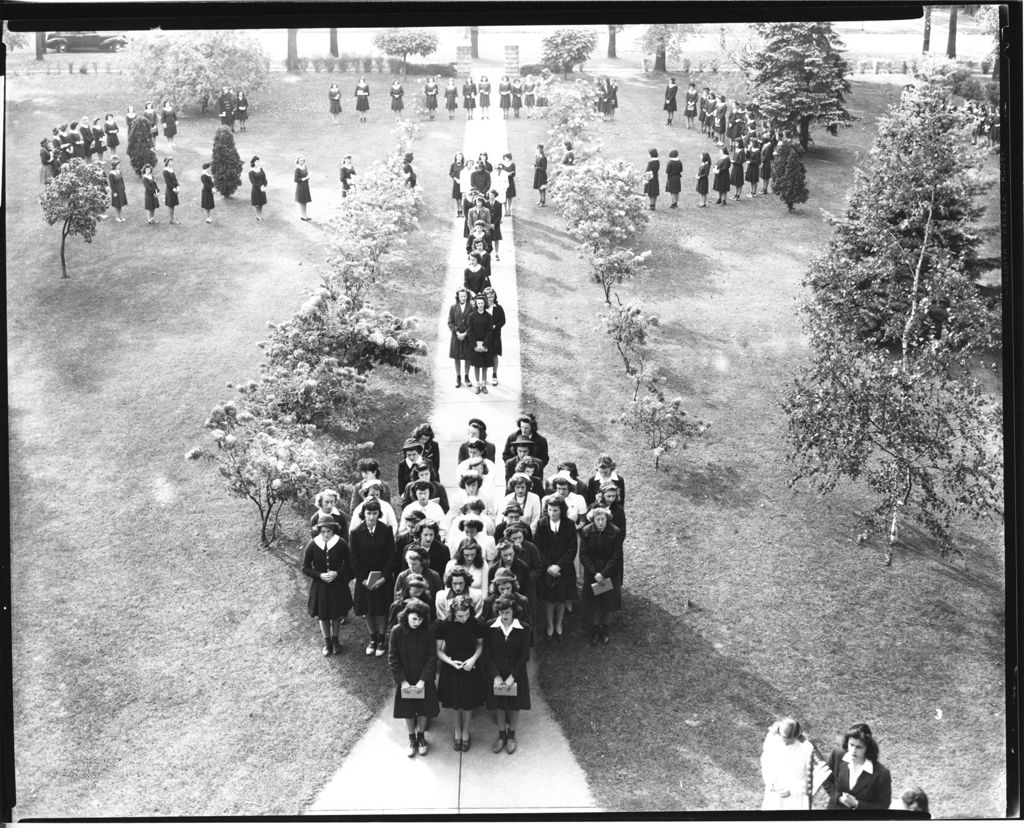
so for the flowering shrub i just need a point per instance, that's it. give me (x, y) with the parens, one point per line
(664, 424)
(571, 111)
(628, 325)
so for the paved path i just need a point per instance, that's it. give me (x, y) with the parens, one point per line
(543, 775)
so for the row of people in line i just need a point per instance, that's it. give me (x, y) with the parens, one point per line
(512, 96)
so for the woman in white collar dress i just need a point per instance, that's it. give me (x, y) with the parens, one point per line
(326, 564)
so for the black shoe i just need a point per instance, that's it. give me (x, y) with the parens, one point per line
(335, 644)
(469, 382)
(458, 382)
(413, 746)
(604, 634)
(595, 635)
(328, 647)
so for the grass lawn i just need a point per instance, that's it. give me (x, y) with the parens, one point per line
(167, 665)
(789, 615)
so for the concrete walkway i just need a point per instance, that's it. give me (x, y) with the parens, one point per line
(377, 778)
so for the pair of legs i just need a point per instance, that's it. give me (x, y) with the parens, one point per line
(458, 206)
(738, 193)
(302, 209)
(171, 211)
(670, 115)
(330, 629)
(152, 216)
(675, 200)
(600, 621)
(764, 186)
(504, 112)
(481, 384)
(259, 212)
(507, 721)
(753, 188)
(209, 215)
(417, 740)
(723, 198)
(485, 113)
(494, 371)
(117, 214)
(702, 199)
(689, 122)
(555, 615)
(462, 719)
(543, 196)
(653, 199)
(469, 114)
(376, 625)
(458, 374)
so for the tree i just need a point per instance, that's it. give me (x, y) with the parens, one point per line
(664, 40)
(951, 39)
(612, 268)
(798, 77)
(664, 424)
(474, 42)
(40, 45)
(14, 40)
(334, 43)
(927, 30)
(225, 165)
(988, 18)
(628, 327)
(613, 30)
(140, 146)
(291, 62)
(406, 42)
(789, 177)
(567, 47)
(191, 68)
(75, 198)
(910, 209)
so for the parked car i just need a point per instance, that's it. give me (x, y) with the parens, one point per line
(86, 41)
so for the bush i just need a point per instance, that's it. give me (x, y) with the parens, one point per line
(438, 70)
(789, 176)
(140, 146)
(538, 69)
(378, 65)
(318, 64)
(226, 165)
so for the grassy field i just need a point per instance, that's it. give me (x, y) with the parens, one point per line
(167, 665)
(746, 601)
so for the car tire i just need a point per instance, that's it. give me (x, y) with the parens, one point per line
(61, 48)
(116, 47)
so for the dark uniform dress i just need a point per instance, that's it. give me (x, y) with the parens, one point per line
(129, 119)
(517, 94)
(469, 96)
(242, 109)
(152, 202)
(481, 330)
(652, 187)
(767, 155)
(507, 656)
(412, 657)
(170, 121)
(170, 189)
(753, 167)
(302, 195)
(362, 97)
(459, 689)
(497, 211)
(85, 133)
(111, 130)
(670, 98)
(397, 93)
(739, 157)
(458, 318)
(151, 116)
(369, 552)
(601, 552)
(46, 165)
(557, 548)
(451, 98)
(453, 174)
(721, 182)
(691, 104)
(327, 601)
(77, 149)
(528, 90)
(702, 177)
(430, 96)
(673, 176)
(510, 173)
(485, 93)
(505, 95)
(334, 96)
(117, 193)
(540, 172)
(475, 280)
(345, 176)
(257, 181)
(498, 315)
(99, 140)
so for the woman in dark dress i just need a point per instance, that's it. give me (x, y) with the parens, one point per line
(362, 99)
(150, 115)
(674, 177)
(505, 96)
(613, 97)
(721, 118)
(170, 187)
(753, 167)
(474, 277)
(85, 132)
(451, 98)
(485, 98)
(257, 186)
(326, 564)
(736, 162)
(152, 189)
(99, 138)
(529, 88)
(430, 96)
(110, 130)
(46, 155)
(302, 195)
(540, 174)
(652, 188)
(555, 538)
(242, 109)
(506, 652)
(703, 171)
(469, 97)
(118, 199)
(497, 313)
(397, 93)
(345, 175)
(206, 199)
(430, 452)
(412, 658)
(334, 101)
(690, 110)
(859, 782)
(496, 209)
(601, 557)
(517, 97)
(721, 182)
(670, 99)
(169, 118)
(767, 156)
(480, 326)
(130, 117)
(372, 549)
(458, 324)
(454, 170)
(460, 645)
(507, 172)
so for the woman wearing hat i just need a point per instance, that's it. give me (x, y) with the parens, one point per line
(540, 173)
(372, 549)
(460, 644)
(326, 563)
(474, 452)
(527, 500)
(476, 430)
(408, 171)
(412, 454)
(327, 506)
(457, 582)
(416, 564)
(345, 174)
(412, 659)
(414, 589)
(527, 427)
(424, 471)
(371, 490)
(555, 539)
(506, 584)
(480, 329)
(512, 513)
(118, 199)
(601, 559)
(152, 188)
(521, 448)
(458, 324)
(506, 652)
(604, 473)
(564, 486)
(257, 186)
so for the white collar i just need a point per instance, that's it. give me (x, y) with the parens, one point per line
(319, 541)
(515, 623)
(867, 768)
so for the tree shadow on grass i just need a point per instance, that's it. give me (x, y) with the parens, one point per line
(531, 234)
(662, 718)
(682, 271)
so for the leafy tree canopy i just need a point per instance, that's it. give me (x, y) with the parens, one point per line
(567, 47)
(75, 199)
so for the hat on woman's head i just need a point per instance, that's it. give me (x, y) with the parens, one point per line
(520, 477)
(504, 575)
(366, 485)
(412, 444)
(408, 156)
(607, 487)
(478, 423)
(563, 476)
(415, 515)
(477, 445)
(327, 520)
(522, 441)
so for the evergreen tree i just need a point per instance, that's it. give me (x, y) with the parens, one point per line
(799, 77)
(226, 166)
(140, 145)
(789, 177)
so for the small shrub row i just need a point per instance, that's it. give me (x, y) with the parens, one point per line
(912, 65)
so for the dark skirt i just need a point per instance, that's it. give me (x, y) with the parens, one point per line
(736, 175)
(652, 189)
(496, 343)
(480, 359)
(374, 601)
(540, 179)
(242, 114)
(457, 349)
(766, 169)
(112, 141)
(530, 99)
(362, 104)
(485, 99)
(722, 182)
(397, 105)
(496, 232)
(450, 103)
(459, 690)
(170, 198)
(521, 701)
(511, 191)
(506, 101)
(170, 129)
(411, 708)
(751, 174)
(329, 601)
(702, 185)
(456, 191)
(257, 197)
(152, 202)
(606, 601)
(302, 192)
(469, 102)
(431, 102)
(558, 590)
(206, 201)
(673, 184)
(335, 107)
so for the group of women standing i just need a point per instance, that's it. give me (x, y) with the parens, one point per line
(452, 592)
